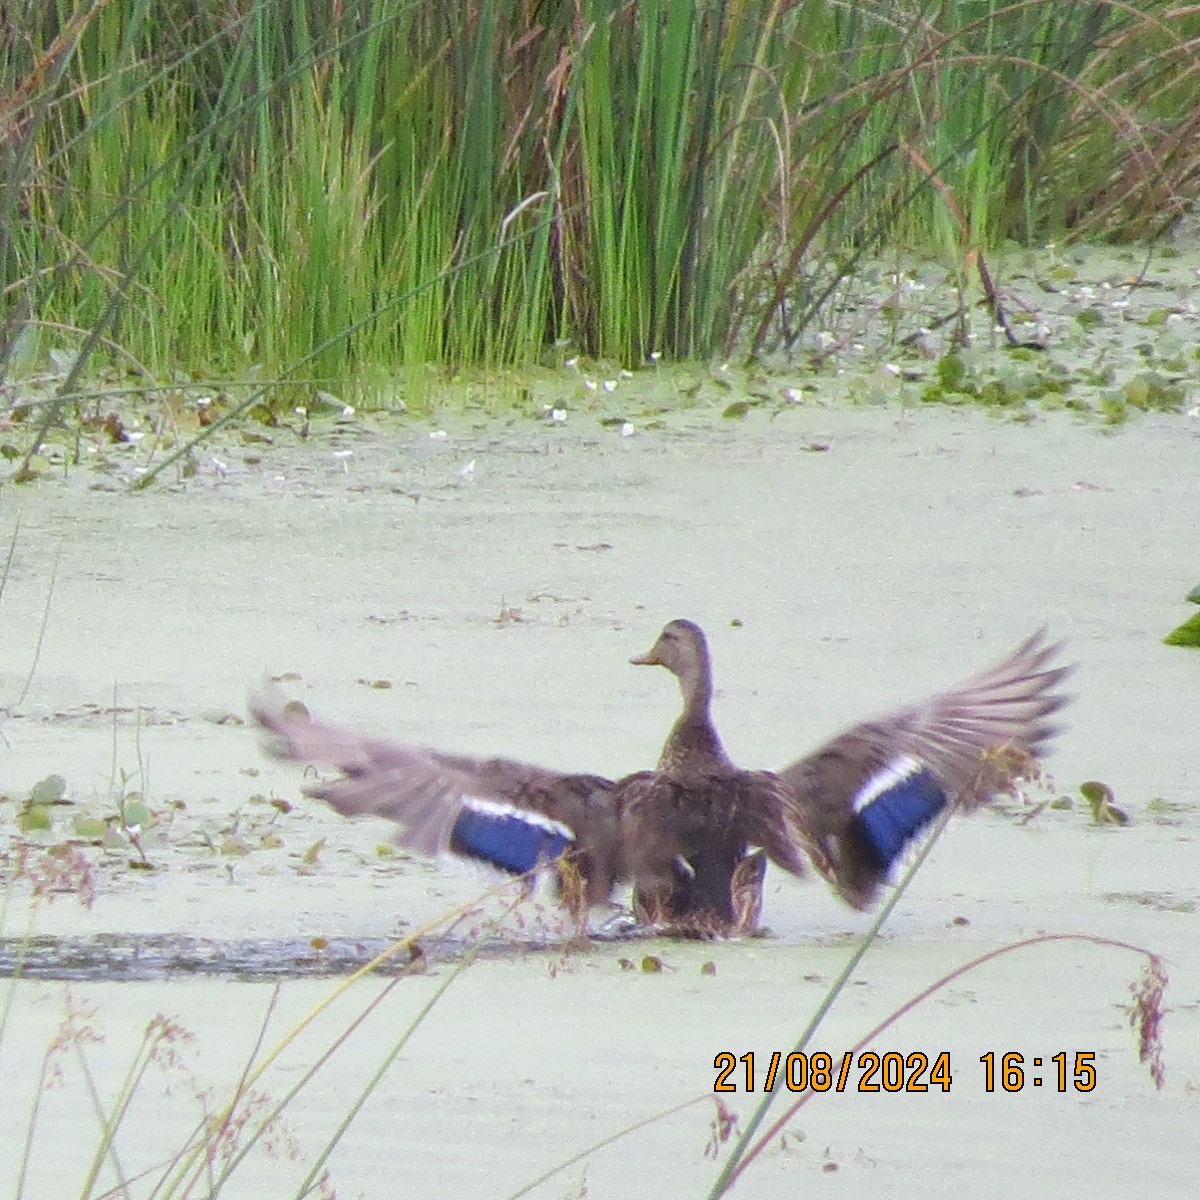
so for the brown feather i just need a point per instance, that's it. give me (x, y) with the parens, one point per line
(957, 733)
(423, 790)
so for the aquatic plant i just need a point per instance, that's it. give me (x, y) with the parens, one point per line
(311, 198)
(1187, 634)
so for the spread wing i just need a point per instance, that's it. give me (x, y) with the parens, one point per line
(864, 795)
(508, 814)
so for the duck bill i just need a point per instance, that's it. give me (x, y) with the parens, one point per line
(649, 659)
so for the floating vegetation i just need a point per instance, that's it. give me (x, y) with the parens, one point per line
(1100, 801)
(1187, 634)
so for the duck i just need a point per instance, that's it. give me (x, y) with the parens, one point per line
(693, 836)
(697, 830)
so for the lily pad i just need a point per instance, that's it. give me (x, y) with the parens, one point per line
(134, 813)
(1194, 595)
(50, 790)
(35, 817)
(89, 828)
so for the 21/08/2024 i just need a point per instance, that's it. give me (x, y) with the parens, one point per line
(894, 1071)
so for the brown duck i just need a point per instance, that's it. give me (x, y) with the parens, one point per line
(693, 835)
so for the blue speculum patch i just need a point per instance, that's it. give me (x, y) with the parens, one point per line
(898, 813)
(507, 840)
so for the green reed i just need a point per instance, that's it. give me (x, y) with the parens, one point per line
(197, 190)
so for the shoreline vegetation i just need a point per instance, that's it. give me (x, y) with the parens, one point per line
(311, 200)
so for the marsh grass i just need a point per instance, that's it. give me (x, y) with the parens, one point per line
(275, 189)
(252, 1116)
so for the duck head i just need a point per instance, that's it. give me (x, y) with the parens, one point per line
(683, 649)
